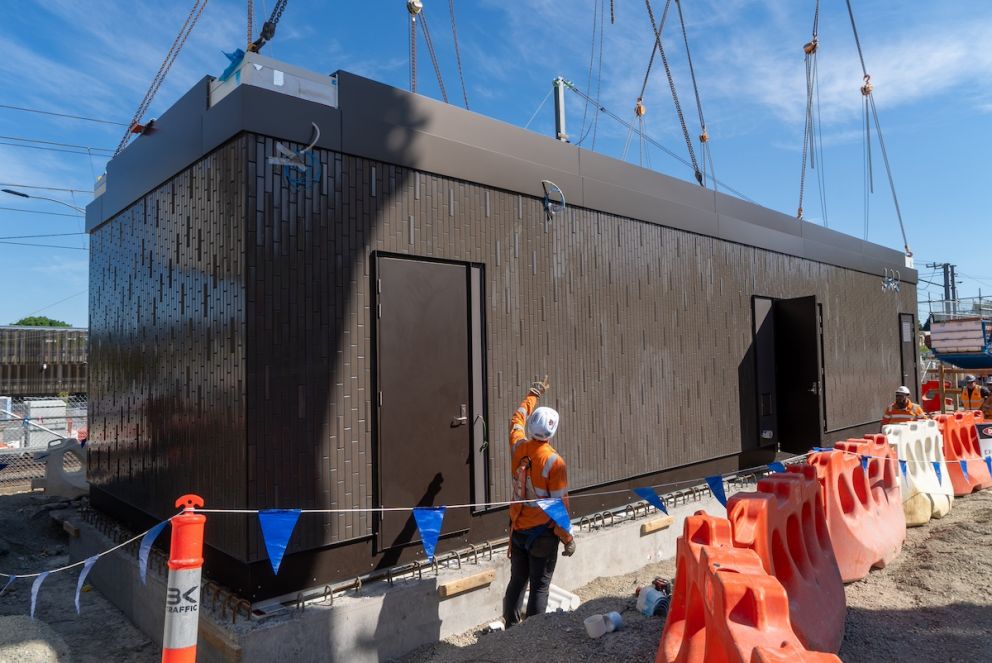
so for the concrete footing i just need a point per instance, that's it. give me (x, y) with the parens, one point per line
(380, 621)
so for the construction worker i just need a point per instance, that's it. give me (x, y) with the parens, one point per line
(987, 404)
(973, 395)
(903, 410)
(538, 472)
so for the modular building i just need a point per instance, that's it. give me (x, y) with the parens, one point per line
(42, 361)
(352, 325)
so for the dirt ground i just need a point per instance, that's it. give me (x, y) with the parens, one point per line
(931, 604)
(31, 541)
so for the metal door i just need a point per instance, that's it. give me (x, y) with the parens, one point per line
(798, 373)
(424, 376)
(764, 360)
(907, 352)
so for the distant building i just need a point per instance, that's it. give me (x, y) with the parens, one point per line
(42, 361)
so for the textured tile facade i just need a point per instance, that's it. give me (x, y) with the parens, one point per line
(232, 347)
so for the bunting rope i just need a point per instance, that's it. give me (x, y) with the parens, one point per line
(278, 524)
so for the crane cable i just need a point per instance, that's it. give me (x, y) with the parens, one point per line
(675, 96)
(413, 52)
(704, 136)
(269, 27)
(809, 50)
(134, 125)
(458, 53)
(639, 109)
(433, 54)
(649, 139)
(592, 59)
(866, 91)
(251, 21)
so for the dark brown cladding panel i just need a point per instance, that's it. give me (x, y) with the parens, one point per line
(644, 329)
(40, 361)
(167, 403)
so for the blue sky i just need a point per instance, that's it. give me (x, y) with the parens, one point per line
(931, 74)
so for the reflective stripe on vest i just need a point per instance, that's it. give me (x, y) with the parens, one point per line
(548, 464)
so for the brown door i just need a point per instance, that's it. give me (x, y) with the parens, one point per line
(797, 375)
(424, 377)
(907, 351)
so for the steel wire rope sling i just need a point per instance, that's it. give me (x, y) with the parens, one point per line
(628, 125)
(458, 52)
(675, 95)
(597, 23)
(704, 137)
(415, 9)
(134, 125)
(872, 111)
(809, 51)
(640, 110)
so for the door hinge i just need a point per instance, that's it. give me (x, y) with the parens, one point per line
(378, 310)
(378, 286)
(380, 399)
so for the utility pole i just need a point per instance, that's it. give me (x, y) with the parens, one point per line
(950, 287)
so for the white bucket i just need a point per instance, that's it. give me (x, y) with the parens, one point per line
(595, 626)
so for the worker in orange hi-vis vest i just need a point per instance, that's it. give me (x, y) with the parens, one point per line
(903, 410)
(973, 395)
(538, 472)
(987, 404)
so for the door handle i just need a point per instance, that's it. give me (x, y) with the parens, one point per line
(463, 419)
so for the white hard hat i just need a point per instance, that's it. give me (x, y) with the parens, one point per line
(903, 390)
(542, 424)
(969, 378)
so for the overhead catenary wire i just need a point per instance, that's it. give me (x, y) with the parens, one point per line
(65, 115)
(35, 211)
(47, 246)
(44, 188)
(539, 107)
(592, 60)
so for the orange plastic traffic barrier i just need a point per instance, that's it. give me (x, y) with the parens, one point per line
(725, 607)
(182, 597)
(783, 523)
(866, 530)
(961, 443)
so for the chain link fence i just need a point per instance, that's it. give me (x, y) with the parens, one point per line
(27, 426)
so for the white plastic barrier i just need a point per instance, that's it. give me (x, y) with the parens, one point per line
(57, 481)
(924, 496)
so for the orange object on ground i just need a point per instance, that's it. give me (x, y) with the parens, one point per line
(865, 529)
(182, 595)
(725, 607)
(961, 443)
(783, 522)
(930, 396)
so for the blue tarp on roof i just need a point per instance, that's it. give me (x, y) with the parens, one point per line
(967, 359)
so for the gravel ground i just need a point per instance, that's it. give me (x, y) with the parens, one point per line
(932, 604)
(31, 541)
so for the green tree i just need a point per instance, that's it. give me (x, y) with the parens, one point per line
(40, 321)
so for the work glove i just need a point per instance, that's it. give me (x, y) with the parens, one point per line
(569, 548)
(539, 387)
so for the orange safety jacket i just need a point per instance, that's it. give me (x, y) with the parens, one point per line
(541, 471)
(972, 399)
(897, 415)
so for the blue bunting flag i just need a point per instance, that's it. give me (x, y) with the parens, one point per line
(87, 565)
(555, 508)
(651, 497)
(716, 487)
(429, 521)
(146, 547)
(277, 526)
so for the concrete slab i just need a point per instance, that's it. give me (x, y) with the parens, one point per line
(380, 621)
